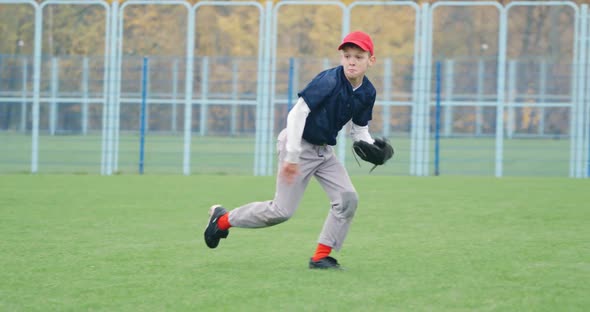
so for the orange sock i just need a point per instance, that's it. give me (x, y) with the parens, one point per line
(223, 222)
(321, 252)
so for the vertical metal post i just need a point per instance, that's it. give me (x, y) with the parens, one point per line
(581, 91)
(428, 95)
(1, 61)
(143, 110)
(261, 87)
(437, 121)
(188, 91)
(108, 64)
(23, 105)
(500, 91)
(112, 86)
(147, 96)
(268, 89)
(512, 92)
(422, 105)
(575, 73)
(84, 82)
(542, 95)
(416, 78)
(174, 95)
(387, 90)
(234, 95)
(107, 71)
(53, 109)
(115, 121)
(36, 89)
(449, 88)
(204, 95)
(480, 102)
(586, 71)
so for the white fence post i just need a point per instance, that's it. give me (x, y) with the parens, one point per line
(23, 111)
(449, 89)
(480, 92)
(204, 95)
(512, 93)
(174, 96)
(84, 82)
(387, 90)
(53, 105)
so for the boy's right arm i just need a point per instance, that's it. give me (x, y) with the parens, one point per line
(295, 125)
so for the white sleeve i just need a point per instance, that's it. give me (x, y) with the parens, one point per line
(359, 133)
(295, 125)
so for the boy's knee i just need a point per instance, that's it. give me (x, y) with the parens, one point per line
(277, 216)
(276, 220)
(347, 206)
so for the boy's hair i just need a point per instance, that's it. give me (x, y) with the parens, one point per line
(351, 45)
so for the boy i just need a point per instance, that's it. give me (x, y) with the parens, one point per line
(329, 101)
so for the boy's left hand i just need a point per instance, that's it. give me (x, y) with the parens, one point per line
(289, 171)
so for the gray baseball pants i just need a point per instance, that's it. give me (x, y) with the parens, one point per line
(322, 163)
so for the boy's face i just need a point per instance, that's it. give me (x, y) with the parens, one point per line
(356, 62)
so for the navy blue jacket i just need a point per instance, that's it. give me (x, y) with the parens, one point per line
(333, 103)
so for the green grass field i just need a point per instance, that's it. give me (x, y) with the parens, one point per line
(134, 243)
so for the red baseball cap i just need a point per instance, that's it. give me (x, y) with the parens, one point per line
(359, 38)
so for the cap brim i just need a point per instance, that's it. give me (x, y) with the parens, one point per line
(358, 44)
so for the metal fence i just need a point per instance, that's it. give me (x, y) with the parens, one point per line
(490, 109)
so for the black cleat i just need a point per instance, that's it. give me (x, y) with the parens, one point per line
(324, 264)
(212, 233)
